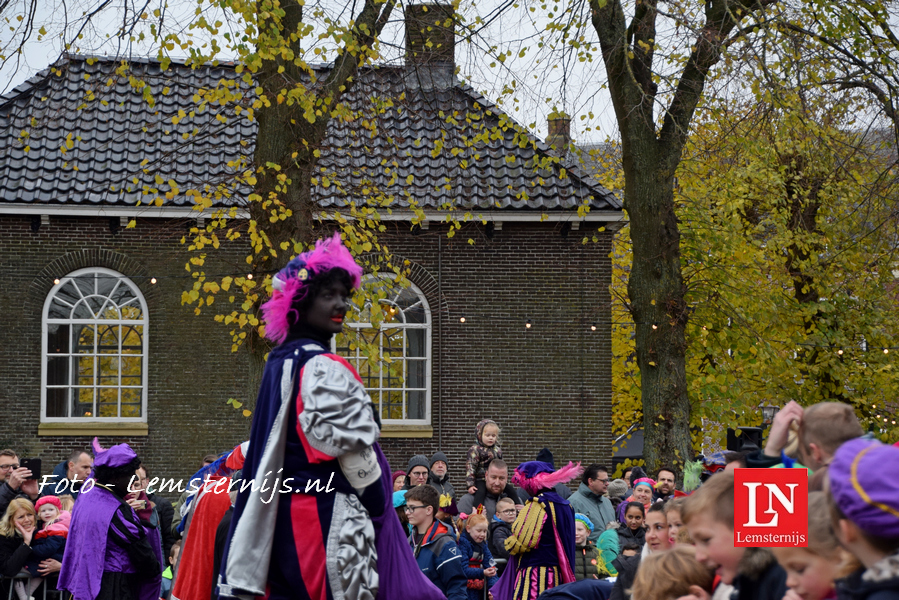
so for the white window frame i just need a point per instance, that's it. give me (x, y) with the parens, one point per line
(427, 326)
(46, 321)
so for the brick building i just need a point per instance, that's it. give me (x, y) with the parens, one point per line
(95, 341)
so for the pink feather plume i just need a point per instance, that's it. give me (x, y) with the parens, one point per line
(278, 312)
(547, 481)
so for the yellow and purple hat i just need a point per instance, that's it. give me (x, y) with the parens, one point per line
(864, 482)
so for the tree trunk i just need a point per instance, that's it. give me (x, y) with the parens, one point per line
(656, 292)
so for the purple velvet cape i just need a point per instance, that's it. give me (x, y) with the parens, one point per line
(85, 557)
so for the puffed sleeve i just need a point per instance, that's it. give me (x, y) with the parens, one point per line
(337, 415)
(527, 528)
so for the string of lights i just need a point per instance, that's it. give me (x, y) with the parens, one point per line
(528, 323)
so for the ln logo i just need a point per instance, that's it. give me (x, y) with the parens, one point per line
(771, 507)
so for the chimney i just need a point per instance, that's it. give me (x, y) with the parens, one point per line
(559, 132)
(431, 45)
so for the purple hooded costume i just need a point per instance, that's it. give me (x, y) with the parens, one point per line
(105, 536)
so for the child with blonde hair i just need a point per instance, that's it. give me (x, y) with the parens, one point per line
(672, 574)
(811, 570)
(477, 562)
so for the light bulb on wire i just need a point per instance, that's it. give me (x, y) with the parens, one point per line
(528, 324)
(462, 319)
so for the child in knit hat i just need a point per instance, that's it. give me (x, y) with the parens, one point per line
(588, 563)
(864, 496)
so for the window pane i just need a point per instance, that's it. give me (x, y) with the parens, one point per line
(84, 402)
(84, 338)
(58, 338)
(132, 339)
(68, 295)
(131, 402)
(85, 284)
(132, 367)
(57, 402)
(106, 284)
(95, 303)
(58, 370)
(59, 310)
(84, 369)
(394, 405)
(108, 401)
(416, 408)
(109, 339)
(82, 311)
(109, 370)
(415, 342)
(415, 374)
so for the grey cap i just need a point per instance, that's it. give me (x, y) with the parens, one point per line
(617, 488)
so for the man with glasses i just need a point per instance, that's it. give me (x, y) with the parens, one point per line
(14, 482)
(590, 499)
(432, 543)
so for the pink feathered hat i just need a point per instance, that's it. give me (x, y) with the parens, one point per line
(292, 282)
(534, 475)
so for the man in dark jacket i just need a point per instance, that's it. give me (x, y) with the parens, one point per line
(439, 478)
(68, 475)
(432, 543)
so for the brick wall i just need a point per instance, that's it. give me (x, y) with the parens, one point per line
(546, 386)
(192, 371)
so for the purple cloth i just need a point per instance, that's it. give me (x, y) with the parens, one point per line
(88, 554)
(116, 456)
(399, 577)
(864, 482)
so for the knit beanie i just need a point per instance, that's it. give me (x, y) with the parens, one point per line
(617, 488)
(48, 500)
(585, 520)
(438, 456)
(419, 460)
(397, 474)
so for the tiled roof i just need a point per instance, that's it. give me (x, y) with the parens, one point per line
(118, 144)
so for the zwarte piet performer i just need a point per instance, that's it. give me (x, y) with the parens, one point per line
(318, 520)
(110, 553)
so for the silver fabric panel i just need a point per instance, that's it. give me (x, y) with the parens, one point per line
(251, 545)
(352, 561)
(337, 413)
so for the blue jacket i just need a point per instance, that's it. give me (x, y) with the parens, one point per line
(439, 559)
(469, 548)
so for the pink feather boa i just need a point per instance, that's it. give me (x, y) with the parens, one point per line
(547, 481)
(279, 312)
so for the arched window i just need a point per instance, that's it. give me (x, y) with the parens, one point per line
(399, 381)
(94, 349)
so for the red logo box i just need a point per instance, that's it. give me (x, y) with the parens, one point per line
(771, 507)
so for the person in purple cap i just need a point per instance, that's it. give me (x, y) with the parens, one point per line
(319, 520)
(110, 553)
(864, 494)
(542, 543)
